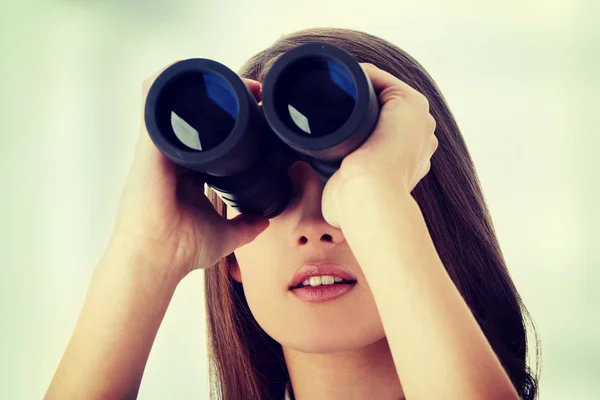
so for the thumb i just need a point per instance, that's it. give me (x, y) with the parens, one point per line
(244, 228)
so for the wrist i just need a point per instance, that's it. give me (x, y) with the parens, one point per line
(123, 309)
(136, 262)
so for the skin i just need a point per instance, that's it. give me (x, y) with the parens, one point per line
(403, 332)
(338, 349)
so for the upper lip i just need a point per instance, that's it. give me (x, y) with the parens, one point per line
(319, 268)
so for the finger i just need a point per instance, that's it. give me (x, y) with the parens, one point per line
(190, 190)
(436, 144)
(244, 229)
(147, 83)
(144, 137)
(383, 80)
(330, 206)
(180, 170)
(255, 87)
(427, 168)
(146, 151)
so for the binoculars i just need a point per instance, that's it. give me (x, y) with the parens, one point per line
(318, 105)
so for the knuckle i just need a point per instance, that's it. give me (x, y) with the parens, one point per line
(394, 92)
(436, 143)
(432, 122)
(421, 100)
(146, 84)
(369, 65)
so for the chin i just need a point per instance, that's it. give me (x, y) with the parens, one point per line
(329, 339)
(333, 327)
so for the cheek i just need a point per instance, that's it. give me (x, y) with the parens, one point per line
(263, 279)
(257, 257)
(347, 323)
(344, 324)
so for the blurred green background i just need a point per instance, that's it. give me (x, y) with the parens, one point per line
(520, 77)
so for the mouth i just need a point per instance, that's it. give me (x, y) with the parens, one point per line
(320, 273)
(321, 281)
(322, 292)
(317, 281)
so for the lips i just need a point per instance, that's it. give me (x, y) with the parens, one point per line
(320, 268)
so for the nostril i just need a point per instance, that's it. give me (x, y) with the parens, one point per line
(326, 237)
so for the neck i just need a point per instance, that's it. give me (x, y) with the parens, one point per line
(368, 372)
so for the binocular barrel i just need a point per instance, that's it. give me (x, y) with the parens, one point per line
(318, 105)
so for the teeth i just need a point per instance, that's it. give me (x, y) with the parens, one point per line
(327, 280)
(321, 280)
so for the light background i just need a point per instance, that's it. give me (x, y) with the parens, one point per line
(520, 77)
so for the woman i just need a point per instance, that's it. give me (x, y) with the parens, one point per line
(423, 306)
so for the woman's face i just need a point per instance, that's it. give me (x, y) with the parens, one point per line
(266, 266)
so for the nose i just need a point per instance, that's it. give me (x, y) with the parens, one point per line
(313, 231)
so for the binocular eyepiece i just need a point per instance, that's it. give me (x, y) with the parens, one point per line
(318, 105)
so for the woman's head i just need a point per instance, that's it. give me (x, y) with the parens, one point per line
(265, 268)
(251, 312)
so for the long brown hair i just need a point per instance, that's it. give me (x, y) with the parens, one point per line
(245, 363)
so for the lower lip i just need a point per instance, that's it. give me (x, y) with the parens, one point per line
(316, 294)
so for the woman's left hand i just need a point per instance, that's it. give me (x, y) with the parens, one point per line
(396, 155)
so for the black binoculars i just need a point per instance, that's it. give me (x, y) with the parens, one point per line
(318, 105)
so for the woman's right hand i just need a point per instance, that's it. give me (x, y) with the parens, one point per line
(164, 213)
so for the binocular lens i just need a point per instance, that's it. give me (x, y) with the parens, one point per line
(315, 96)
(318, 106)
(198, 109)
